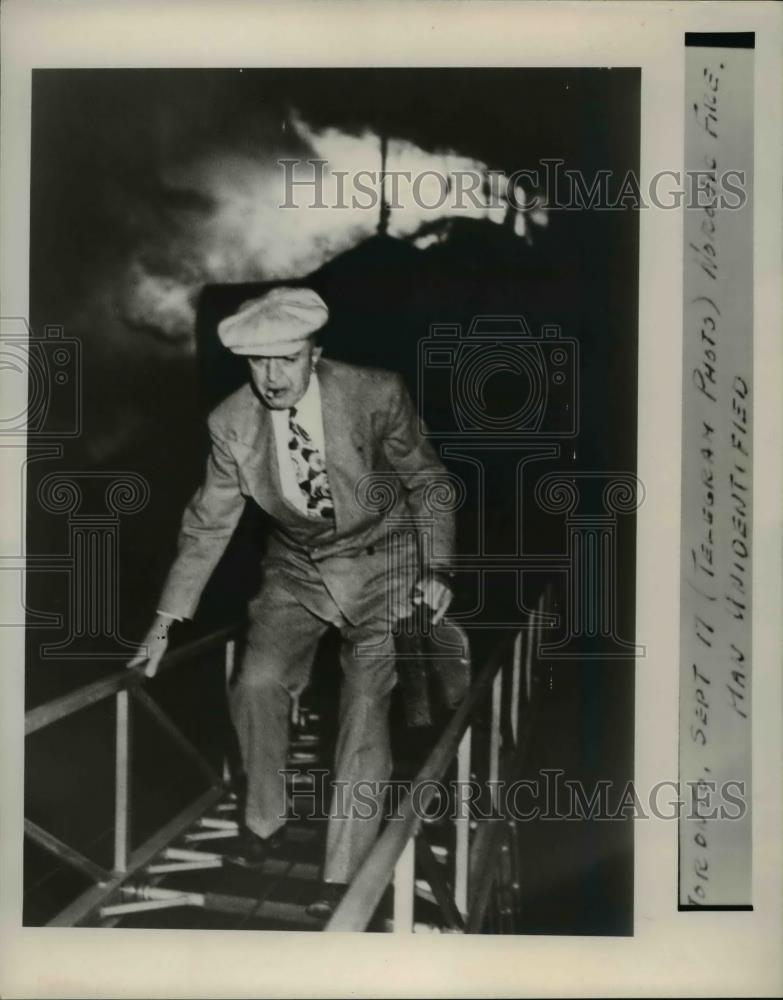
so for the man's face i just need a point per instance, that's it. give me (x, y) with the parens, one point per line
(282, 380)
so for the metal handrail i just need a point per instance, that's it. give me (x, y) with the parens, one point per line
(125, 687)
(365, 892)
(392, 857)
(59, 708)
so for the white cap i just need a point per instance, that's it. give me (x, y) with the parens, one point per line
(274, 324)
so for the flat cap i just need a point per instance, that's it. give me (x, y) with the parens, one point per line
(274, 324)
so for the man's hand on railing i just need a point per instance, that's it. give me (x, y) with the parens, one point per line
(153, 646)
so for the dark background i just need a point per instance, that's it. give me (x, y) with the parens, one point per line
(134, 173)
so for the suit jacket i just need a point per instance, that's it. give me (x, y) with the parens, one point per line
(386, 481)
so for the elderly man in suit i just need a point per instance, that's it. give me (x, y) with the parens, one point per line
(332, 453)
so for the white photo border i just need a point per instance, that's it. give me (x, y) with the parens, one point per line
(671, 952)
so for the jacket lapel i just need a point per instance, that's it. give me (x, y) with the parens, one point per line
(345, 462)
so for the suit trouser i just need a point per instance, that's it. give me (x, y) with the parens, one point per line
(281, 643)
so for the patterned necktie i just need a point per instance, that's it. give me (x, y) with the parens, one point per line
(310, 470)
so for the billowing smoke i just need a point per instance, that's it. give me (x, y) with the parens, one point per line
(226, 224)
(145, 210)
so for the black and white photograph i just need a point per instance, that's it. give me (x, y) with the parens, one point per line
(339, 318)
(391, 522)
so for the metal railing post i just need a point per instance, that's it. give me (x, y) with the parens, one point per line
(229, 661)
(122, 782)
(404, 889)
(494, 738)
(462, 825)
(516, 671)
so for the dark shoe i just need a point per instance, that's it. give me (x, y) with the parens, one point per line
(324, 905)
(252, 850)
